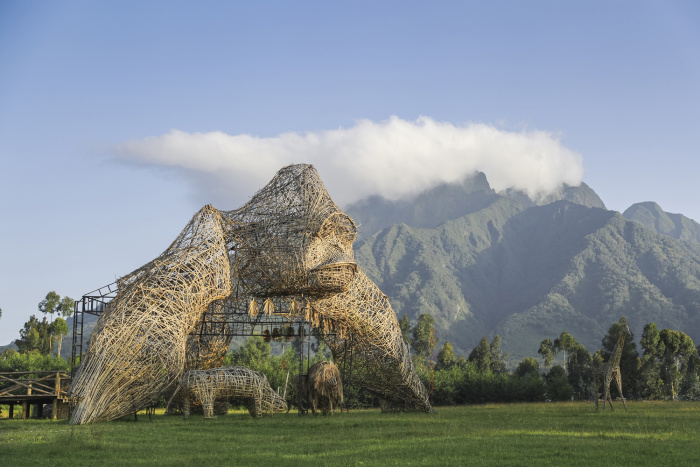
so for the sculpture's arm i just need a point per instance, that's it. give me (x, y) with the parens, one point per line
(381, 358)
(138, 347)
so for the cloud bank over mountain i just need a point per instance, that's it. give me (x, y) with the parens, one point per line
(394, 158)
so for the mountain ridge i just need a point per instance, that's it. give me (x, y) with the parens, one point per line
(447, 201)
(528, 272)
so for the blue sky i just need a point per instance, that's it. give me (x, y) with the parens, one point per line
(119, 120)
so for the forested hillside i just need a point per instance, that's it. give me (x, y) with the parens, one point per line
(527, 271)
(650, 215)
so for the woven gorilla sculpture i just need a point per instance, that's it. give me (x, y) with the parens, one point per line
(290, 245)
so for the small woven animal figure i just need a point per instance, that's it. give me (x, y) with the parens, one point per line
(208, 386)
(325, 388)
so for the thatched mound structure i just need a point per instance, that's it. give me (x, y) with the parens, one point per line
(286, 253)
(325, 388)
(218, 384)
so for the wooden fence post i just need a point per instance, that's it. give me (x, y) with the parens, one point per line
(57, 390)
(26, 405)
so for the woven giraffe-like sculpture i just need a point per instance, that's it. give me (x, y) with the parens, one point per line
(208, 386)
(287, 252)
(611, 370)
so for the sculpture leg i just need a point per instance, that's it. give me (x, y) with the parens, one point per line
(211, 395)
(606, 392)
(186, 408)
(597, 398)
(208, 409)
(258, 407)
(379, 353)
(618, 380)
(314, 403)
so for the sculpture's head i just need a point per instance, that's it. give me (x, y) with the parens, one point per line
(292, 239)
(625, 327)
(271, 401)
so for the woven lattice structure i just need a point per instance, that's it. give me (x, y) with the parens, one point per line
(325, 388)
(605, 374)
(138, 348)
(287, 253)
(216, 384)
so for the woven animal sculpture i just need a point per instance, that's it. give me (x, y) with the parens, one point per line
(298, 394)
(605, 374)
(325, 388)
(288, 251)
(216, 384)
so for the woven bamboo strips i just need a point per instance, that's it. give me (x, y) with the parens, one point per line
(289, 241)
(325, 389)
(138, 347)
(216, 384)
(381, 358)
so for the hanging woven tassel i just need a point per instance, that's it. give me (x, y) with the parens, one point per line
(253, 309)
(307, 311)
(294, 308)
(269, 307)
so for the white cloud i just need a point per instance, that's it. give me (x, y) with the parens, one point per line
(393, 158)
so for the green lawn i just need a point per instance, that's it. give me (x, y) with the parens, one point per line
(652, 433)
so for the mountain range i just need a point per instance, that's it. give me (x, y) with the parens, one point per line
(483, 263)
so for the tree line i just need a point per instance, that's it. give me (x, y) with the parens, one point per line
(38, 338)
(666, 366)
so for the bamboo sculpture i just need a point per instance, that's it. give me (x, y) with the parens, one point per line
(209, 386)
(287, 252)
(611, 370)
(325, 389)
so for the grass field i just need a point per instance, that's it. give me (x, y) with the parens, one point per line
(651, 433)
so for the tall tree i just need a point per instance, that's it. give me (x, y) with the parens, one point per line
(66, 307)
(53, 303)
(405, 327)
(35, 335)
(423, 335)
(668, 356)
(565, 342)
(446, 358)
(50, 304)
(481, 355)
(498, 358)
(649, 379)
(678, 348)
(580, 371)
(547, 352)
(528, 366)
(59, 329)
